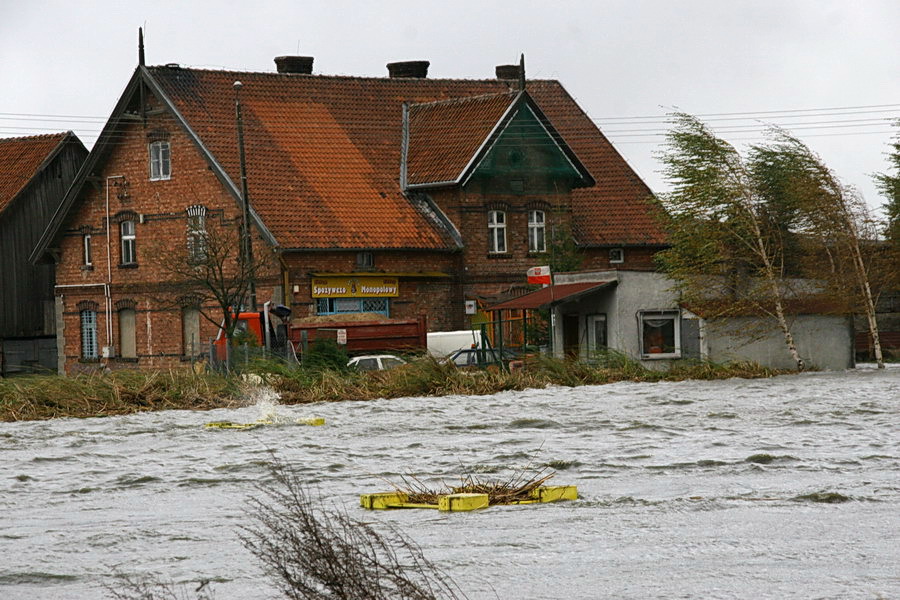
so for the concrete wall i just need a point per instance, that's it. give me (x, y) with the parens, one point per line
(823, 341)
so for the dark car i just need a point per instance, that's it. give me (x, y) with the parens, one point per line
(473, 357)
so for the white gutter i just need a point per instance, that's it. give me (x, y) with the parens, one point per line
(267, 335)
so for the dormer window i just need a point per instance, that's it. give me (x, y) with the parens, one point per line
(160, 164)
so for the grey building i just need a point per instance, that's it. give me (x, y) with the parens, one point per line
(35, 173)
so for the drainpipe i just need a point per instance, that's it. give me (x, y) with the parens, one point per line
(109, 263)
(267, 336)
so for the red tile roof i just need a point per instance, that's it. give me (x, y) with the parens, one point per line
(20, 160)
(323, 155)
(445, 135)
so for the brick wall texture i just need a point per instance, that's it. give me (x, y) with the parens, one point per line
(434, 283)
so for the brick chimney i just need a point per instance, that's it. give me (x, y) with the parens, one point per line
(294, 64)
(507, 71)
(408, 69)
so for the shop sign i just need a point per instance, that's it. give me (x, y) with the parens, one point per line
(355, 287)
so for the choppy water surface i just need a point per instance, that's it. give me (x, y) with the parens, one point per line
(777, 488)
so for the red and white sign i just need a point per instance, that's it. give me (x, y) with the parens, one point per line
(539, 275)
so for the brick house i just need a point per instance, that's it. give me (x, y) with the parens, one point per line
(400, 195)
(35, 172)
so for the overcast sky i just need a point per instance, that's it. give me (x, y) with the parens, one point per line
(827, 69)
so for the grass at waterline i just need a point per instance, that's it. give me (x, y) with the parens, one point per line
(124, 392)
(38, 397)
(428, 377)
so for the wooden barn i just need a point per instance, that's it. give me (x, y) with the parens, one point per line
(35, 173)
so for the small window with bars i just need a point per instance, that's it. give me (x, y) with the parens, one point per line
(332, 306)
(89, 350)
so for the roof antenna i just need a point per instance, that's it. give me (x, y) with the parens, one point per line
(141, 46)
(522, 72)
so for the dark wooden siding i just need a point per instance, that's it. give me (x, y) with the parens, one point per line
(26, 290)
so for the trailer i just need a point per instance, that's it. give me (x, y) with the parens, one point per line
(282, 337)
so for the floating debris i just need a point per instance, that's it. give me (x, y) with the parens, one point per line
(313, 421)
(524, 487)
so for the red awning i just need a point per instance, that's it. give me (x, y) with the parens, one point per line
(551, 295)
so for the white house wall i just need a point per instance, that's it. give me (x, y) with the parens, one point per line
(824, 341)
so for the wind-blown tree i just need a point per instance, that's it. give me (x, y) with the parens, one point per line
(211, 270)
(725, 256)
(831, 217)
(889, 186)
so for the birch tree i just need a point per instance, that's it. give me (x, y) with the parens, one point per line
(834, 218)
(717, 233)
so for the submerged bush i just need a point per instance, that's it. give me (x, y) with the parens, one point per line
(313, 553)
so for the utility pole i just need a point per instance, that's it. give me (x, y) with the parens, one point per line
(246, 242)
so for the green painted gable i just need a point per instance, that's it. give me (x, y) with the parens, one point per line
(524, 159)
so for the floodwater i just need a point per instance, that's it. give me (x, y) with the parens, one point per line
(781, 488)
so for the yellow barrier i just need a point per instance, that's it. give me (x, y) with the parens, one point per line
(465, 502)
(462, 502)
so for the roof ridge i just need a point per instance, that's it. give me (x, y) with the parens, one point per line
(465, 99)
(39, 136)
(338, 76)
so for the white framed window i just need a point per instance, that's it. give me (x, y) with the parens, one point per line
(127, 341)
(160, 163)
(127, 237)
(537, 241)
(196, 233)
(86, 250)
(496, 231)
(89, 334)
(616, 255)
(660, 334)
(596, 332)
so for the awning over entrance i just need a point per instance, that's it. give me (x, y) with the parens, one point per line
(551, 295)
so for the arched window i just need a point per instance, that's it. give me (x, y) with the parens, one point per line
(196, 233)
(127, 341)
(537, 241)
(129, 246)
(496, 231)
